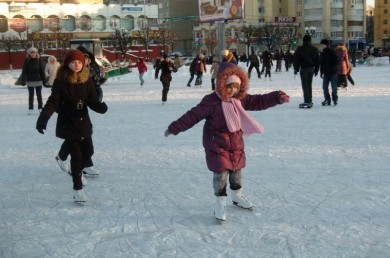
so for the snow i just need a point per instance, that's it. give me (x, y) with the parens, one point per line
(318, 178)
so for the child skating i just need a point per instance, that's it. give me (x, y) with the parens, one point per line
(72, 93)
(226, 122)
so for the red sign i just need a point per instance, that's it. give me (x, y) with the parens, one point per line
(285, 19)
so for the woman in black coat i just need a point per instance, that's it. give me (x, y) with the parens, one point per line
(72, 93)
(33, 75)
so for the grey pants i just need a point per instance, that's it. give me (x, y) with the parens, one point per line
(220, 182)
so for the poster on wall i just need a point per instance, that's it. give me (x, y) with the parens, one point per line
(220, 10)
(51, 24)
(17, 24)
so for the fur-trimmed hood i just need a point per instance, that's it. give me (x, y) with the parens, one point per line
(65, 75)
(223, 76)
(341, 48)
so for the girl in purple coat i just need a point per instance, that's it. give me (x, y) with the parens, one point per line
(226, 121)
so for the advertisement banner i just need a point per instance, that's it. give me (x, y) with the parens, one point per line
(17, 24)
(220, 10)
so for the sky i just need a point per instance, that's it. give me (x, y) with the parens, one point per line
(318, 178)
(371, 2)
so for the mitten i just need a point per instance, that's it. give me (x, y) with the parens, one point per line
(166, 133)
(41, 123)
(283, 97)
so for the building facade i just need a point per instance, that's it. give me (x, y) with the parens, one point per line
(82, 20)
(336, 20)
(382, 23)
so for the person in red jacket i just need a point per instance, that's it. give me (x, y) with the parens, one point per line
(226, 122)
(142, 69)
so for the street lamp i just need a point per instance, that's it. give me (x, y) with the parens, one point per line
(310, 30)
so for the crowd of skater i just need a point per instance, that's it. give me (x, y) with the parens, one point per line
(76, 88)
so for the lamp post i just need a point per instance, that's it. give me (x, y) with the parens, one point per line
(310, 30)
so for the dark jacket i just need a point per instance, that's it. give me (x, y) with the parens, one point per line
(224, 149)
(328, 61)
(33, 71)
(71, 96)
(166, 68)
(253, 59)
(306, 56)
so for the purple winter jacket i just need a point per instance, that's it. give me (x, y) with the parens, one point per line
(224, 150)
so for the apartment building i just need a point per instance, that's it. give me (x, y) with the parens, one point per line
(336, 20)
(382, 23)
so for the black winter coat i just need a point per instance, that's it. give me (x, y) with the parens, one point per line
(33, 71)
(306, 56)
(328, 61)
(70, 97)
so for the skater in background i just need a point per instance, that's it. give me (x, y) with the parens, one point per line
(177, 62)
(51, 69)
(142, 69)
(278, 57)
(268, 63)
(328, 72)
(226, 121)
(72, 93)
(343, 66)
(253, 62)
(192, 70)
(166, 66)
(214, 72)
(306, 62)
(33, 75)
(88, 166)
(200, 69)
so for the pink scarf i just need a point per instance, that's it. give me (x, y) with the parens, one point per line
(237, 118)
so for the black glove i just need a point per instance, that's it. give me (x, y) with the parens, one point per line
(41, 124)
(315, 73)
(295, 72)
(40, 130)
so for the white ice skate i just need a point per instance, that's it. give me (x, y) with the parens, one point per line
(220, 208)
(78, 196)
(91, 171)
(63, 164)
(240, 200)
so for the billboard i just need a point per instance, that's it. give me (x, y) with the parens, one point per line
(220, 10)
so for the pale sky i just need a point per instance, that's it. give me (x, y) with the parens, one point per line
(371, 2)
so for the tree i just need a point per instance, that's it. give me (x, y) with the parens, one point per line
(146, 35)
(271, 36)
(121, 40)
(10, 43)
(164, 36)
(248, 35)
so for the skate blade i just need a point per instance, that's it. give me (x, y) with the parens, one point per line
(236, 204)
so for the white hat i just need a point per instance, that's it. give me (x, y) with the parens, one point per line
(233, 78)
(32, 49)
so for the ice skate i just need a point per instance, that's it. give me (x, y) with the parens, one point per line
(240, 200)
(62, 164)
(326, 103)
(220, 208)
(29, 112)
(78, 196)
(91, 171)
(306, 105)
